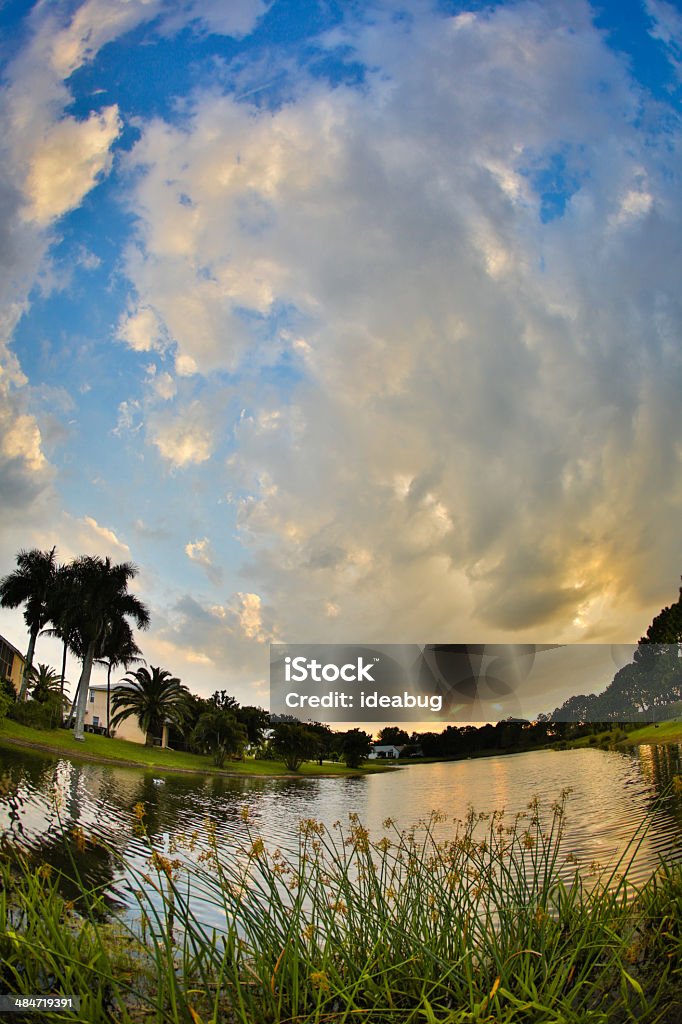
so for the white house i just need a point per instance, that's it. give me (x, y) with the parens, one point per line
(384, 751)
(96, 717)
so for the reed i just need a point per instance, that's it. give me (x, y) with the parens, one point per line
(447, 923)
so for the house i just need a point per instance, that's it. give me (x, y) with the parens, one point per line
(384, 751)
(96, 717)
(12, 663)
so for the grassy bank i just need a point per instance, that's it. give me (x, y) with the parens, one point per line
(663, 732)
(136, 755)
(453, 923)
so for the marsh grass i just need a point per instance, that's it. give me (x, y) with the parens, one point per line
(452, 922)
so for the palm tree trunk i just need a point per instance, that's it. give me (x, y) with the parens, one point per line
(63, 676)
(108, 698)
(83, 686)
(72, 712)
(28, 664)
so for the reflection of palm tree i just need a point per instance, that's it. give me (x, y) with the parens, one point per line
(117, 649)
(32, 584)
(100, 602)
(154, 698)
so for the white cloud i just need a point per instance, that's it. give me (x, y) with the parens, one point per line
(667, 28)
(482, 415)
(184, 438)
(67, 162)
(201, 552)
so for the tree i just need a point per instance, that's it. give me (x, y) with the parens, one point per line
(154, 698)
(392, 734)
(326, 740)
(293, 744)
(31, 583)
(100, 601)
(666, 628)
(61, 612)
(118, 648)
(255, 721)
(223, 701)
(43, 683)
(220, 734)
(355, 747)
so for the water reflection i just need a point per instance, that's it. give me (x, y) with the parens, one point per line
(613, 793)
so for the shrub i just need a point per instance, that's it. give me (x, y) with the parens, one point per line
(38, 715)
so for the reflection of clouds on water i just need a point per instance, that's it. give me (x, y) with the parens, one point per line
(612, 793)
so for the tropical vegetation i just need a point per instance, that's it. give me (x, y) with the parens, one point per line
(219, 733)
(31, 584)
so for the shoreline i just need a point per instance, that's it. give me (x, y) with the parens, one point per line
(46, 748)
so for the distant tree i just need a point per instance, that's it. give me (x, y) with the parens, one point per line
(355, 747)
(391, 734)
(255, 720)
(223, 701)
(220, 734)
(293, 744)
(31, 584)
(154, 698)
(327, 741)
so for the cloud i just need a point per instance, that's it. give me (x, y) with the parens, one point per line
(183, 438)
(235, 633)
(67, 163)
(484, 397)
(141, 331)
(667, 29)
(200, 552)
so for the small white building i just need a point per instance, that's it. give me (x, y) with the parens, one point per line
(96, 715)
(384, 751)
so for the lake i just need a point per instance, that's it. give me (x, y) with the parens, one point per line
(613, 794)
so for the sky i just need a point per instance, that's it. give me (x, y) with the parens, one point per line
(344, 322)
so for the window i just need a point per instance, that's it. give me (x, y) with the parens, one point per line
(95, 720)
(6, 660)
(92, 696)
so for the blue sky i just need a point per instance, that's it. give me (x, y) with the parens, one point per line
(345, 322)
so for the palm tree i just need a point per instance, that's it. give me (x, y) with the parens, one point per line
(100, 603)
(154, 698)
(61, 611)
(44, 683)
(118, 648)
(32, 584)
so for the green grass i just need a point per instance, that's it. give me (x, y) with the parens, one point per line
(664, 732)
(449, 923)
(100, 748)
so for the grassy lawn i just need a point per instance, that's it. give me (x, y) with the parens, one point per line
(663, 732)
(100, 748)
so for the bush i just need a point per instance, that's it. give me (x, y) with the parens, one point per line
(5, 705)
(37, 715)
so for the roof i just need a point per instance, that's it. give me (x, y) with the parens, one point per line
(13, 648)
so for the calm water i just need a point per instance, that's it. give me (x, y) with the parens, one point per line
(612, 794)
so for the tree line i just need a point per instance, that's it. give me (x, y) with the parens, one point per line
(86, 603)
